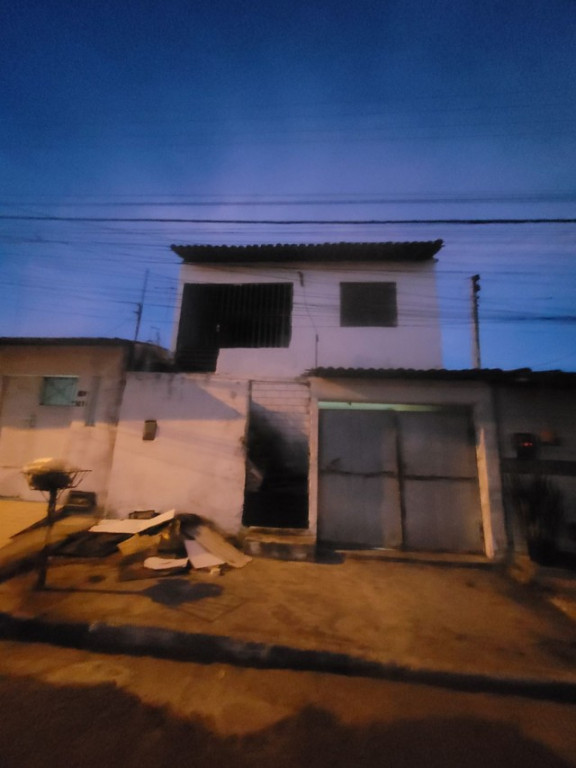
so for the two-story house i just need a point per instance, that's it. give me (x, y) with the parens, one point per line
(333, 447)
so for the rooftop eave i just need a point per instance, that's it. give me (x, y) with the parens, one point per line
(402, 252)
(64, 341)
(519, 376)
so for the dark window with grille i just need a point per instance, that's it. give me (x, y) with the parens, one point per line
(216, 316)
(365, 305)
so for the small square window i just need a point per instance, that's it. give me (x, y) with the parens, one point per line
(59, 390)
(368, 305)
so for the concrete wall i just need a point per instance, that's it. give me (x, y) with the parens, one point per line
(317, 338)
(83, 434)
(196, 463)
(476, 396)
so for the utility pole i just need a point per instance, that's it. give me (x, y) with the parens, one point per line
(475, 290)
(140, 308)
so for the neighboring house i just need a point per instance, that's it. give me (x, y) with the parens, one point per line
(61, 397)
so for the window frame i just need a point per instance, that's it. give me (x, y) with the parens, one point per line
(361, 301)
(53, 393)
(232, 315)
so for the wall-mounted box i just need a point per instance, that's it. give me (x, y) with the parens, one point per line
(525, 444)
(150, 429)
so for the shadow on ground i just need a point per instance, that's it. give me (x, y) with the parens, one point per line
(46, 726)
(168, 592)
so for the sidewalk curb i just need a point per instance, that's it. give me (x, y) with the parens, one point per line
(218, 649)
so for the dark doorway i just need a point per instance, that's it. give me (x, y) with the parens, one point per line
(276, 494)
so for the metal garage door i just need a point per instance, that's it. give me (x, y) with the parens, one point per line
(359, 499)
(399, 478)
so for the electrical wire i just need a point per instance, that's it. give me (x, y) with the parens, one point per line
(329, 222)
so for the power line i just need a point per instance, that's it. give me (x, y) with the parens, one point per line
(328, 222)
(321, 200)
(475, 195)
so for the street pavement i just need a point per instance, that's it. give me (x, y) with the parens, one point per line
(64, 706)
(461, 624)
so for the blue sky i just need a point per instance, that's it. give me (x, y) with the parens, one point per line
(303, 111)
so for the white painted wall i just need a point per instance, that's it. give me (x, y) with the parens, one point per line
(81, 434)
(475, 395)
(317, 338)
(196, 463)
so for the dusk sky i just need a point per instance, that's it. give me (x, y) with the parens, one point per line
(320, 111)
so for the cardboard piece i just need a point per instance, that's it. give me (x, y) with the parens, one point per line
(217, 545)
(132, 526)
(164, 563)
(136, 544)
(86, 544)
(199, 557)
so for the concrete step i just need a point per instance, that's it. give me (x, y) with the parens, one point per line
(280, 543)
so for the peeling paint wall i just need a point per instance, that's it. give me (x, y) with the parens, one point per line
(196, 461)
(82, 433)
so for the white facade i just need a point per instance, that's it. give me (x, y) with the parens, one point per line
(317, 337)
